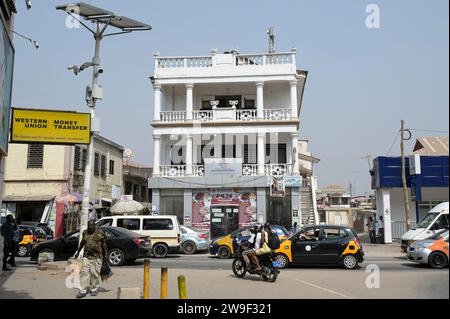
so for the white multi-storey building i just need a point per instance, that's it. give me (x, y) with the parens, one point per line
(226, 127)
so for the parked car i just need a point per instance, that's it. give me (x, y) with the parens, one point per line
(29, 236)
(164, 230)
(193, 240)
(226, 246)
(321, 245)
(48, 231)
(432, 252)
(436, 220)
(123, 246)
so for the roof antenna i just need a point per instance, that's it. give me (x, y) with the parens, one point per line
(271, 33)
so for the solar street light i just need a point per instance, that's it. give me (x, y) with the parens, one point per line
(102, 19)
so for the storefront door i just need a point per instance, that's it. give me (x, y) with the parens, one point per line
(224, 220)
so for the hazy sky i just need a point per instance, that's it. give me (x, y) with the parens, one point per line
(361, 82)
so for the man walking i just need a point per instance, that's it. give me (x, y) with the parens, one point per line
(372, 234)
(7, 231)
(95, 253)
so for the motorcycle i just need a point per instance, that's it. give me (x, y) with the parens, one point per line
(268, 263)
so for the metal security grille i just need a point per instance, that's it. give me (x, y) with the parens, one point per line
(35, 158)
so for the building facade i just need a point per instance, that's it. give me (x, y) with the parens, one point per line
(427, 185)
(36, 174)
(225, 139)
(135, 182)
(7, 53)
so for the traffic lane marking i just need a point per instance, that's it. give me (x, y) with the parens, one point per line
(320, 287)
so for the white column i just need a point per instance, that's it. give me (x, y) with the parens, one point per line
(294, 150)
(156, 155)
(384, 209)
(260, 100)
(294, 112)
(189, 101)
(261, 153)
(189, 155)
(157, 102)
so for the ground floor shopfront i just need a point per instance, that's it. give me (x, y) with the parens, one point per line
(223, 210)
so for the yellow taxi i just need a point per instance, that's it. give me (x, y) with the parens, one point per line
(226, 246)
(321, 245)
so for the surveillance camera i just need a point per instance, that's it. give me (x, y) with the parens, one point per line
(100, 71)
(28, 4)
(71, 67)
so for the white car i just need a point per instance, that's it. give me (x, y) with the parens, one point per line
(433, 222)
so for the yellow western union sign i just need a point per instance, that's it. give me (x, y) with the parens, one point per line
(50, 127)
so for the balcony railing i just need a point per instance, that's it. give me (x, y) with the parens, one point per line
(277, 114)
(244, 115)
(240, 60)
(173, 116)
(247, 170)
(203, 116)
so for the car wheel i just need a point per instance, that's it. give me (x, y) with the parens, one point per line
(189, 248)
(116, 257)
(160, 250)
(23, 251)
(437, 260)
(350, 262)
(283, 259)
(224, 252)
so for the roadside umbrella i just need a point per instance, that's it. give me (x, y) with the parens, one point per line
(125, 206)
(71, 198)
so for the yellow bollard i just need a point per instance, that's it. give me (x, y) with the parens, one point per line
(163, 283)
(146, 278)
(182, 287)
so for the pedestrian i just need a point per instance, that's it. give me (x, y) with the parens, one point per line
(7, 231)
(380, 229)
(95, 253)
(372, 234)
(294, 228)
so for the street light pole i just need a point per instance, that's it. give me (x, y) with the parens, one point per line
(90, 150)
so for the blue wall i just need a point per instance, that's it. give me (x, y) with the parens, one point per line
(387, 172)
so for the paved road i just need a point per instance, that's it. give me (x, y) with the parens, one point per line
(210, 277)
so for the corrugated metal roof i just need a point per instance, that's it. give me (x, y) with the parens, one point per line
(432, 145)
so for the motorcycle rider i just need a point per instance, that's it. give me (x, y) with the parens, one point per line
(250, 246)
(262, 238)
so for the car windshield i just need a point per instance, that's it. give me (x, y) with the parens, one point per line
(427, 220)
(281, 231)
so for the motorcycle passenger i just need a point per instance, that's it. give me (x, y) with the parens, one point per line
(263, 248)
(249, 250)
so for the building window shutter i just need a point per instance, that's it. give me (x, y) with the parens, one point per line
(111, 167)
(77, 159)
(96, 164)
(35, 158)
(103, 166)
(83, 159)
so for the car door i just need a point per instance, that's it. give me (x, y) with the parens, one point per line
(305, 247)
(332, 243)
(69, 245)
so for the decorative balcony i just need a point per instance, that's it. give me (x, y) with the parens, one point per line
(247, 170)
(235, 59)
(220, 114)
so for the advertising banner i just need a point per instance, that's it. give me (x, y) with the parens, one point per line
(247, 209)
(50, 127)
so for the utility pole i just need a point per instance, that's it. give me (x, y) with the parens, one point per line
(405, 189)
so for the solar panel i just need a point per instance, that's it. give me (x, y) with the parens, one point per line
(125, 23)
(93, 13)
